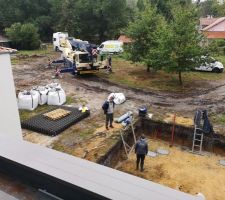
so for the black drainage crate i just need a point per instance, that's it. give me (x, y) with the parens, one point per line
(41, 124)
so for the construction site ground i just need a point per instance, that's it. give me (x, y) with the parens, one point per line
(182, 171)
(88, 139)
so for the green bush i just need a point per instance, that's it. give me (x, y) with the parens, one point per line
(217, 46)
(23, 36)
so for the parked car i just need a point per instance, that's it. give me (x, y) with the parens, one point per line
(211, 66)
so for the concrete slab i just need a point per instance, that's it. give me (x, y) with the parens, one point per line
(163, 151)
(152, 154)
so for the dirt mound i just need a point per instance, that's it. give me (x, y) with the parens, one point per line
(180, 120)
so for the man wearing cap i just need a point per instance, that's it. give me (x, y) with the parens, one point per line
(141, 150)
(108, 108)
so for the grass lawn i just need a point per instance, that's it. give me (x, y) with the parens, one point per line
(26, 54)
(38, 52)
(135, 76)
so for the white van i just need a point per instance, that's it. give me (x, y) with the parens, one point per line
(56, 40)
(111, 46)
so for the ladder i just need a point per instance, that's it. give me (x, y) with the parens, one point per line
(128, 149)
(197, 140)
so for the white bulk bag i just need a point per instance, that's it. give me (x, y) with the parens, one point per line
(28, 100)
(119, 98)
(56, 97)
(43, 94)
(53, 85)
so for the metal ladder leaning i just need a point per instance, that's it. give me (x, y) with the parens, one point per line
(128, 149)
(197, 140)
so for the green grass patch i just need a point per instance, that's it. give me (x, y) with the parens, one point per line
(75, 134)
(70, 100)
(218, 118)
(37, 52)
(220, 58)
(26, 114)
(135, 76)
(87, 132)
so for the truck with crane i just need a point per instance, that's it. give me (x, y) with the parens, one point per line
(77, 57)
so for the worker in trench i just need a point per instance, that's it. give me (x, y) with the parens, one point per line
(141, 150)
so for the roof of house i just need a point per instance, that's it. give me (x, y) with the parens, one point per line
(217, 21)
(124, 39)
(207, 21)
(7, 50)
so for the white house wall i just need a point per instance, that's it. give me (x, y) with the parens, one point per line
(9, 117)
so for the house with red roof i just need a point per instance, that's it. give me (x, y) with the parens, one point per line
(125, 39)
(213, 28)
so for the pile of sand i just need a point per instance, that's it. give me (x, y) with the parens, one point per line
(179, 120)
(182, 171)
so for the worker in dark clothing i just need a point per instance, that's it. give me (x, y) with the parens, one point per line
(108, 108)
(141, 150)
(109, 63)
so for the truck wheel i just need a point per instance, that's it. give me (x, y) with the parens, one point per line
(216, 70)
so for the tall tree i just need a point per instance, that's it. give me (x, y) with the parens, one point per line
(173, 47)
(184, 42)
(23, 36)
(26, 11)
(148, 33)
(92, 20)
(209, 7)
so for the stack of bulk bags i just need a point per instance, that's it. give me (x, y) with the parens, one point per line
(56, 96)
(28, 100)
(43, 94)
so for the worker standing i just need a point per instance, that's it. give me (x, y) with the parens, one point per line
(109, 63)
(94, 54)
(108, 108)
(141, 150)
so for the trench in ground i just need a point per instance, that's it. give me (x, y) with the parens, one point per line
(183, 137)
(181, 169)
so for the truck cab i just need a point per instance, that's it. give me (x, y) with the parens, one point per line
(57, 37)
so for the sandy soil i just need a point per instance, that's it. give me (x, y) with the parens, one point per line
(97, 145)
(182, 171)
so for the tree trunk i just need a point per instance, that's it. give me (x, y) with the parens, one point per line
(180, 79)
(148, 68)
